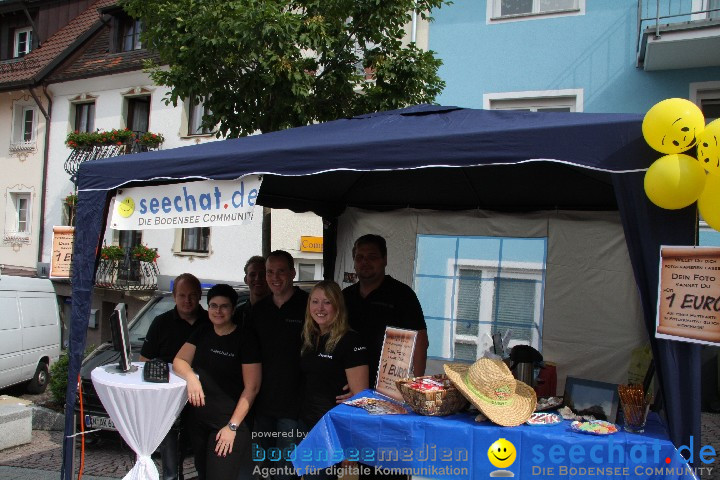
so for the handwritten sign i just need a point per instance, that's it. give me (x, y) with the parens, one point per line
(395, 360)
(62, 251)
(689, 295)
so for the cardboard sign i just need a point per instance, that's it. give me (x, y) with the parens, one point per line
(396, 360)
(187, 205)
(689, 295)
(62, 250)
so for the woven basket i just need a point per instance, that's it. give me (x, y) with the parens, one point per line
(435, 403)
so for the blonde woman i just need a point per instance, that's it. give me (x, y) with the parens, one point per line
(332, 355)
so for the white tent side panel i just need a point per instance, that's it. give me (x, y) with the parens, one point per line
(591, 312)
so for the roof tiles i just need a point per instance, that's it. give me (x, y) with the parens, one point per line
(29, 69)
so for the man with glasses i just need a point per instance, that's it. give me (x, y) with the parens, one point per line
(277, 322)
(168, 332)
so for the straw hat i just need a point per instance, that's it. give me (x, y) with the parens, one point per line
(491, 387)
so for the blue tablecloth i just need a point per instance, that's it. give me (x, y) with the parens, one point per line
(457, 447)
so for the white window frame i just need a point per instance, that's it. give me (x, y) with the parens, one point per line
(700, 6)
(16, 42)
(489, 270)
(189, 111)
(74, 117)
(493, 12)
(177, 245)
(700, 91)
(12, 214)
(571, 97)
(19, 129)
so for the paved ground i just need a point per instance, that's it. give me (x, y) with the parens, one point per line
(42, 459)
(711, 436)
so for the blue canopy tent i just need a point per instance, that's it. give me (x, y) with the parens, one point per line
(428, 157)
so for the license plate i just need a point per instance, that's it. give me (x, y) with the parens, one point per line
(92, 421)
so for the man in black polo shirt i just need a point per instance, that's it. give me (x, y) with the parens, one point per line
(168, 332)
(277, 321)
(257, 285)
(377, 301)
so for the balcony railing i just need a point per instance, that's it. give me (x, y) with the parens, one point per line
(666, 19)
(79, 155)
(655, 13)
(127, 275)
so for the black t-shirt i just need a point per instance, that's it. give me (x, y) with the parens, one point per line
(218, 363)
(324, 374)
(392, 304)
(279, 331)
(168, 333)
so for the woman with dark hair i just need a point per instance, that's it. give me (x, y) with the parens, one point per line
(332, 355)
(221, 366)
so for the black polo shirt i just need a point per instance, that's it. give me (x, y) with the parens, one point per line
(392, 304)
(279, 332)
(168, 333)
(218, 363)
(324, 374)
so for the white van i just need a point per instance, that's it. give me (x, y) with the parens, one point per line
(29, 331)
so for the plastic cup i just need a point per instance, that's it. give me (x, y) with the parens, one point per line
(635, 417)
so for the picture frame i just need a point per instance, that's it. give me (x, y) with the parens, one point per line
(590, 397)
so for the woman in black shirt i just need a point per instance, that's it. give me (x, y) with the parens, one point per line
(332, 355)
(221, 366)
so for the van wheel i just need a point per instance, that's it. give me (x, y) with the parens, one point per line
(39, 382)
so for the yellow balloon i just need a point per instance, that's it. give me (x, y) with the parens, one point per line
(674, 181)
(672, 126)
(709, 202)
(708, 147)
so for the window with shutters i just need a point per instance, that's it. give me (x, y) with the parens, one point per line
(472, 287)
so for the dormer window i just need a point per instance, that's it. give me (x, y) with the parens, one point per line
(23, 42)
(130, 34)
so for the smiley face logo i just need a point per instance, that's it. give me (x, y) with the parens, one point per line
(708, 148)
(673, 125)
(126, 207)
(502, 453)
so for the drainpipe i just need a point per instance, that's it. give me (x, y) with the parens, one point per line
(413, 32)
(46, 161)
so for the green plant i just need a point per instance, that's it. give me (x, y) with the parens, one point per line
(149, 139)
(112, 252)
(71, 199)
(58, 376)
(58, 379)
(144, 253)
(116, 136)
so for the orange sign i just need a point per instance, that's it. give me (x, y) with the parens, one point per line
(311, 244)
(689, 296)
(395, 360)
(62, 251)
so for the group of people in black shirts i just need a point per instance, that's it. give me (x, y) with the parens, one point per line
(261, 375)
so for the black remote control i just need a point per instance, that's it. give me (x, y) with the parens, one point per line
(156, 371)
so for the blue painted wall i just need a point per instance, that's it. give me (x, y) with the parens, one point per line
(595, 52)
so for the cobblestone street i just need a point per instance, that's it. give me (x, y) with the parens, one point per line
(109, 458)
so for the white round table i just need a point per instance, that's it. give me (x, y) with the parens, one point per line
(143, 412)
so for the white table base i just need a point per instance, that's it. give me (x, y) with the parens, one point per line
(143, 412)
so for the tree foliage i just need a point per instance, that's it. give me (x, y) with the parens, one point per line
(273, 64)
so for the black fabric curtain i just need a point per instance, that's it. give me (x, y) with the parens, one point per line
(647, 227)
(330, 230)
